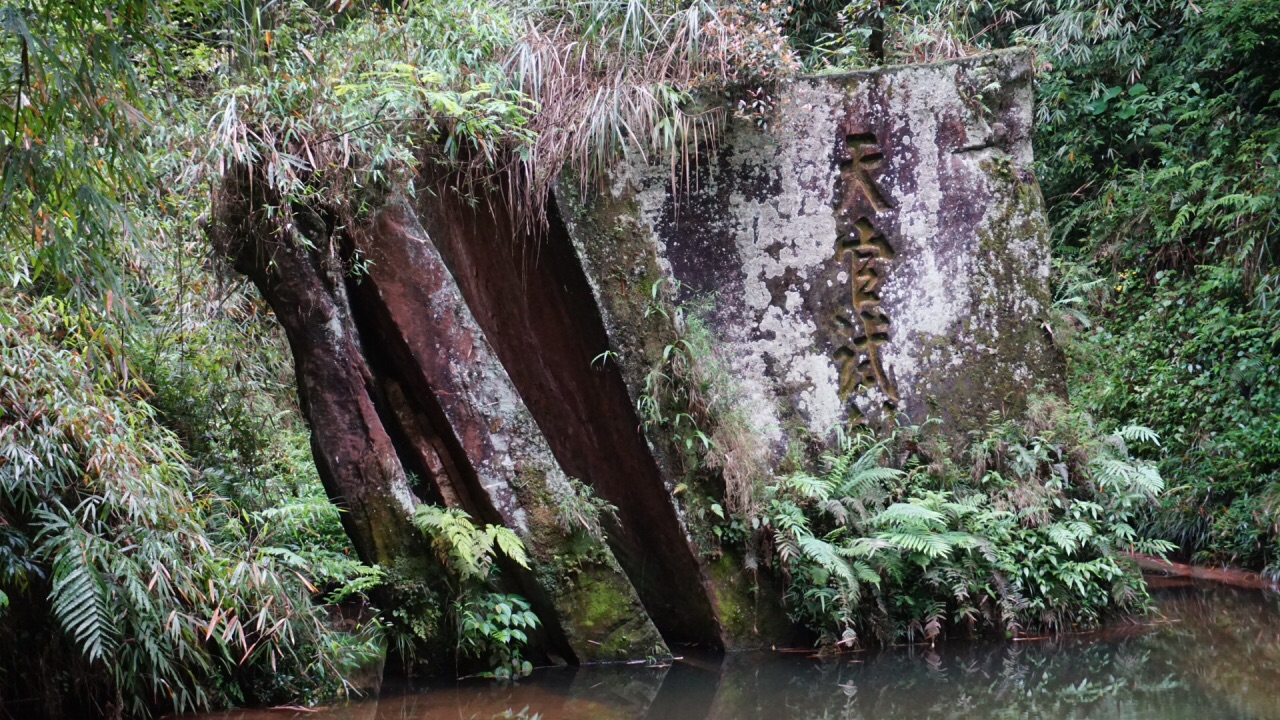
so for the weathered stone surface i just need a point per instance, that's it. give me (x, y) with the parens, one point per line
(353, 450)
(878, 253)
(529, 295)
(495, 459)
(406, 402)
(623, 265)
(880, 249)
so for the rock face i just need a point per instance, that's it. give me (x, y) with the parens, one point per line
(398, 383)
(880, 250)
(466, 428)
(529, 295)
(878, 254)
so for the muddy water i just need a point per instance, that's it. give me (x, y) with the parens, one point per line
(1209, 653)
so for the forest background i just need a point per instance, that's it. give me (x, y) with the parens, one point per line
(164, 540)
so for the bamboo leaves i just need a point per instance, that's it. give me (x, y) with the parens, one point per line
(158, 586)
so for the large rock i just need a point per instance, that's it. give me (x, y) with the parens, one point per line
(525, 288)
(878, 253)
(464, 426)
(407, 403)
(880, 249)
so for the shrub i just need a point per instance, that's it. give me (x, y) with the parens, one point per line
(1031, 539)
(125, 578)
(490, 626)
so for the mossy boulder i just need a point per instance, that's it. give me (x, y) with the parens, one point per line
(878, 253)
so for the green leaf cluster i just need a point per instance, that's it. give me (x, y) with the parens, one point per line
(492, 627)
(1160, 146)
(1032, 538)
(123, 566)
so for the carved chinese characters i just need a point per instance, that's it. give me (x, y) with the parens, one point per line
(867, 254)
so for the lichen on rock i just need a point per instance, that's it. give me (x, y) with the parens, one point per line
(878, 253)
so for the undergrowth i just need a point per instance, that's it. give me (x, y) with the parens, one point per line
(894, 540)
(491, 628)
(128, 575)
(690, 395)
(164, 542)
(1163, 181)
(893, 543)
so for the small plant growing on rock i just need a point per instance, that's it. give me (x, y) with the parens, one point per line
(491, 626)
(579, 509)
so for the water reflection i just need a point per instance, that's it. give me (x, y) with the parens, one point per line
(1213, 653)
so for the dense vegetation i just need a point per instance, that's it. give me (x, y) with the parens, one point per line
(164, 540)
(1163, 184)
(1025, 539)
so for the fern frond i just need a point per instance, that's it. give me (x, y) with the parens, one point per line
(828, 557)
(909, 514)
(859, 482)
(509, 543)
(911, 539)
(810, 487)
(1139, 433)
(836, 510)
(865, 572)
(81, 604)
(1063, 536)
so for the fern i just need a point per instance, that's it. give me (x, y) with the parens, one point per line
(81, 603)
(509, 544)
(1068, 536)
(909, 515)
(809, 487)
(1139, 433)
(468, 550)
(863, 479)
(921, 540)
(918, 550)
(1140, 477)
(826, 556)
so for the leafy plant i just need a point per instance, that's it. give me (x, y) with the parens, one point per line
(1030, 539)
(119, 567)
(494, 627)
(491, 627)
(1160, 127)
(468, 550)
(579, 509)
(691, 395)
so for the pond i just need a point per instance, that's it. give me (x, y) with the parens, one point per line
(1209, 652)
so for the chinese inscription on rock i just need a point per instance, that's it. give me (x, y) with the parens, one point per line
(867, 254)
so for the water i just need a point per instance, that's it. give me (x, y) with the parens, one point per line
(1211, 652)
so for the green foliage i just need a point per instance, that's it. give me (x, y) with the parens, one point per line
(494, 627)
(491, 627)
(147, 587)
(1194, 359)
(579, 509)
(1162, 163)
(347, 105)
(1030, 539)
(72, 118)
(466, 549)
(691, 396)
